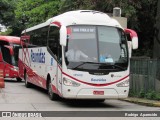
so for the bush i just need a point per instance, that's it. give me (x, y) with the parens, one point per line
(141, 94)
(158, 96)
(131, 93)
(151, 94)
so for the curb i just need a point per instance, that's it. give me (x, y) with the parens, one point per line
(140, 101)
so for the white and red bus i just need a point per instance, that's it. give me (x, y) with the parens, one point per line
(9, 46)
(80, 54)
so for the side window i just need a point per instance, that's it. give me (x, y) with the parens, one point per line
(5, 52)
(31, 34)
(53, 40)
(39, 36)
(6, 55)
(2, 43)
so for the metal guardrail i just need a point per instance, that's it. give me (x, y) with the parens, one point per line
(145, 74)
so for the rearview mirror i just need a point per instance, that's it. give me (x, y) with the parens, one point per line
(133, 37)
(25, 39)
(63, 35)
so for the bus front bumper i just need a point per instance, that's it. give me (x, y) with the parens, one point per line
(11, 74)
(91, 93)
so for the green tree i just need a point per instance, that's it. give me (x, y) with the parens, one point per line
(20, 14)
(6, 12)
(146, 20)
(129, 8)
(141, 16)
(7, 17)
(32, 12)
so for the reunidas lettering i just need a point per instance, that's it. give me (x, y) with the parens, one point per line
(98, 80)
(38, 56)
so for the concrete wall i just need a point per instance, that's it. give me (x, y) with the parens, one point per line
(122, 21)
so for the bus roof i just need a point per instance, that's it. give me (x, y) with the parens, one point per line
(10, 39)
(83, 17)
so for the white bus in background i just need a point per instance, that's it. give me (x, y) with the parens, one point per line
(80, 54)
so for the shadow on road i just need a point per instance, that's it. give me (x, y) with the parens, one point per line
(12, 80)
(77, 103)
(87, 103)
(74, 103)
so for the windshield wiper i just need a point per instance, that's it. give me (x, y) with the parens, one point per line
(119, 67)
(103, 64)
(114, 66)
(83, 64)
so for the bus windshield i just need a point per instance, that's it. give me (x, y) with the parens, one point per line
(96, 47)
(7, 57)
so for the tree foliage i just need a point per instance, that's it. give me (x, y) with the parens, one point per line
(32, 12)
(129, 8)
(7, 12)
(19, 14)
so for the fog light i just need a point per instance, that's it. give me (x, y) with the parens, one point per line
(68, 82)
(14, 68)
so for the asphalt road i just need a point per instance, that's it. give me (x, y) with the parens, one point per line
(16, 97)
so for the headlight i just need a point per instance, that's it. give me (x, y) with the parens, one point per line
(68, 82)
(15, 68)
(123, 84)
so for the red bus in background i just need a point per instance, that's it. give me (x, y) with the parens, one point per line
(9, 46)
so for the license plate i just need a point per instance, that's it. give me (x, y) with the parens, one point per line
(98, 92)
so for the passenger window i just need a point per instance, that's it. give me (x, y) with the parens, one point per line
(53, 40)
(39, 36)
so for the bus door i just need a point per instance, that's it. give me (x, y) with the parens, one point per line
(25, 39)
(59, 69)
(54, 45)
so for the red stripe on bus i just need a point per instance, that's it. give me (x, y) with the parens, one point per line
(57, 23)
(134, 34)
(96, 85)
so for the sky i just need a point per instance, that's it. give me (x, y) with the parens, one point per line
(2, 28)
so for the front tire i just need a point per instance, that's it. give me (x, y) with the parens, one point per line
(51, 94)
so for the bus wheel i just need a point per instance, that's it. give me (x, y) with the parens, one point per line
(51, 94)
(19, 79)
(27, 84)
